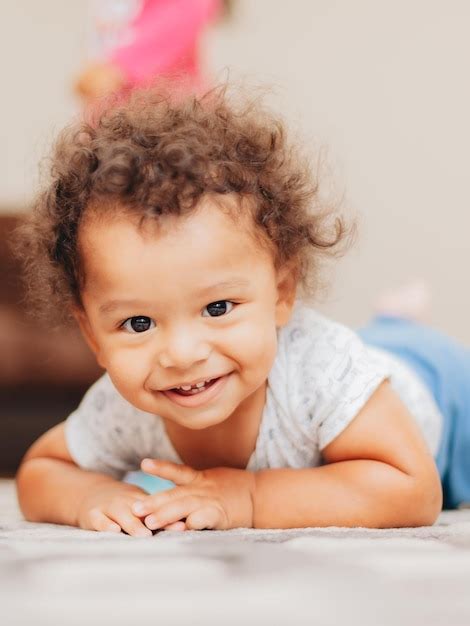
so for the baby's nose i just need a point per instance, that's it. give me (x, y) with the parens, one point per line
(183, 351)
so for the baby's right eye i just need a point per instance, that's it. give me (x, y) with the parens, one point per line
(137, 324)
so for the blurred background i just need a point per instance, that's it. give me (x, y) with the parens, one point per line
(384, 86)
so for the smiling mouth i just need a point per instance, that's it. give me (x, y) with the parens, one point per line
(188, 390)
(192, 398)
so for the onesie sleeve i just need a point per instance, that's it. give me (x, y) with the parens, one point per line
(107, 434)
(334, 376)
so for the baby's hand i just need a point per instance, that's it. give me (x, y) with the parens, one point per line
(218, 498)
(108, 507)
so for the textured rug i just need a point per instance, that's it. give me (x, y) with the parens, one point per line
(53, 574)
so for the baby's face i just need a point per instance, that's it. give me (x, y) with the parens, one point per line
(164, 309)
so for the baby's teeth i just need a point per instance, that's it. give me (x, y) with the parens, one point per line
(196, 386)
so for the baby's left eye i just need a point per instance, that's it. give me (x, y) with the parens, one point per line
(137, 324)
(221, 307)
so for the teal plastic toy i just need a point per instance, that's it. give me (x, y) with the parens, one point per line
(148, 482)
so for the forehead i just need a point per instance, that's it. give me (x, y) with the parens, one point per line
(117, 253)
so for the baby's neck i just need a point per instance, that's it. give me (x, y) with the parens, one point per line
(228, 444)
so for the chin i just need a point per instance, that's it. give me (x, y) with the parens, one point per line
(200, 424)
(196, 422)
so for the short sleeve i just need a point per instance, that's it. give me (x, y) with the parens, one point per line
(107, 434)
(331, 374)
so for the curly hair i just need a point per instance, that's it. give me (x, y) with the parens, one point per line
(155, 155)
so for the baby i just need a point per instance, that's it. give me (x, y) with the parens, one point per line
(185, 237)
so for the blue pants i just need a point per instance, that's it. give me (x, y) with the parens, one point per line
(444, 366)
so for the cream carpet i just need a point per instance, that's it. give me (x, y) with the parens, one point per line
(61, 575)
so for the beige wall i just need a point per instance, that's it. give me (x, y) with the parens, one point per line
(40, 47)
(384, 85)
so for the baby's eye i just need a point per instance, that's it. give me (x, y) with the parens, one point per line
(137, 324)
(221, 307)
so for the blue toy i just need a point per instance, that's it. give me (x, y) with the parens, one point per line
(151, 484)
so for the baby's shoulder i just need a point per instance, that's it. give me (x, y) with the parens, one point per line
(310, 333)
(315, 352)
(322, 376)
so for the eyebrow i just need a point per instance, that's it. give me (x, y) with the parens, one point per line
(112, 305)
(225, 284)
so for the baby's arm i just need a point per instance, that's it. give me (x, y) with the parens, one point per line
(379, 473)
(52, 488)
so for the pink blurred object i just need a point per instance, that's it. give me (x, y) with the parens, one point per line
(149, 38)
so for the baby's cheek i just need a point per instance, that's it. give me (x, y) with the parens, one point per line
(255, 348)
(128, 373)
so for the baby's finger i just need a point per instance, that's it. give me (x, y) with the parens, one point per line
(100, 522)
(176, 472)
(128, 522)
(173, 512)
(208, 517)
(155, 501)
(176, 526)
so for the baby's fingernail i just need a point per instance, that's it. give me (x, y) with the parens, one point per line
(151, 522)
(138, 508)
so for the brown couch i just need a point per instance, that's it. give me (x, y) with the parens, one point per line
(43, 373)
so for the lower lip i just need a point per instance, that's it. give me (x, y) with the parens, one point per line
(198, 398)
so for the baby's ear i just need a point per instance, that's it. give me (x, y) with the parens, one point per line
(82, 320)
(287, 279)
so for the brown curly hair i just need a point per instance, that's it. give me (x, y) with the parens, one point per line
(154, 155)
